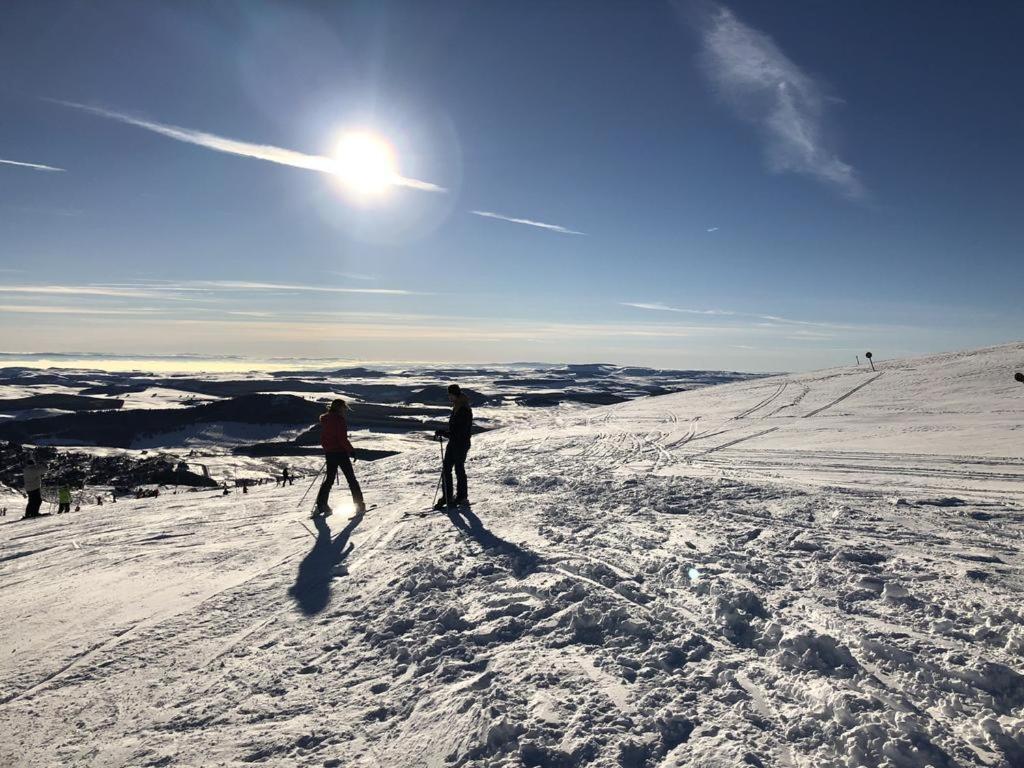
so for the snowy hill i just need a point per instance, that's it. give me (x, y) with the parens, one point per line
(813, 570)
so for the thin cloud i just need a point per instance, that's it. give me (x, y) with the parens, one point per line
(25, 309)
(79, 290)
(240, 286)
(764, 87)
(33, 166)
(711, 229)
(235, 285)
(266, 152)
(188, 291)
(665, 308)
(766, 321)
(528, 222)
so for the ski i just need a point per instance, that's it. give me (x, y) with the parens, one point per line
(315, 514)
(432, 511)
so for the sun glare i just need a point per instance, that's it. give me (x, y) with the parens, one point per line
(366, 164)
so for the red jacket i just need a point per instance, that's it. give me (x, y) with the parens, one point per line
(334, 434)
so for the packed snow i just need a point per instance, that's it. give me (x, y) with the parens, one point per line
(817, 570)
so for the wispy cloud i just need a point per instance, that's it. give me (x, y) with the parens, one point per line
(764, 87)
(266, 152)
(527, 222)
(764, 320)
(35, 309)
(658, 307)
(711, 229)
(186, 291)
(79, 290)
(235, 285)
(33, 166)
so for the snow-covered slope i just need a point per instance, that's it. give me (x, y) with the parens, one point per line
(812, 570)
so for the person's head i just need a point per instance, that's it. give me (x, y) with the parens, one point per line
(454, 393)
(338, 406)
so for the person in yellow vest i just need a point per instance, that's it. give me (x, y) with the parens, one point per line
(63, 499)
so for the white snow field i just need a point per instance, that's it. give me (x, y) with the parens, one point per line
(811, 570)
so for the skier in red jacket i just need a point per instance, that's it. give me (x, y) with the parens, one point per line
(337, 450)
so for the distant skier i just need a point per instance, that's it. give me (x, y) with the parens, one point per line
(63, 499)
(284, 477)
(460, 427)
(337, 453)
(33, 473)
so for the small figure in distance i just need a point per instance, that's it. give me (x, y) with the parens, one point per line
(63, 499)
(460, 428)
(337, 453)
(33, 473)
(285, 477)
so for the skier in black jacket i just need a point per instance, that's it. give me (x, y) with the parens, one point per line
(460, 427)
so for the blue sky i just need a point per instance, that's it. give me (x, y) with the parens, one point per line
(744, 185)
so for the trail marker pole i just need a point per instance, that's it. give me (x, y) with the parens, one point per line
(868, 356)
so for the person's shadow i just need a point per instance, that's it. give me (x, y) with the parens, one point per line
(522, 561)
(312, 587)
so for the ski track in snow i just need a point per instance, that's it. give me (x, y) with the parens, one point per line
(827, 573)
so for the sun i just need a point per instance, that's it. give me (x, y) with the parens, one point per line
(366, 164)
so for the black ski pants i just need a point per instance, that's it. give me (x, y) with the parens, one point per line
(455, 458)
(35, 501)
(336, 461)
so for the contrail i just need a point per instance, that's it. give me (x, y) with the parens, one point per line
(527, 222)
(33, 166)
(266, 152)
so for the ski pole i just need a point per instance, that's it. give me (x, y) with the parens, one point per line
(443, 486)
(440, 442)
(315, 478)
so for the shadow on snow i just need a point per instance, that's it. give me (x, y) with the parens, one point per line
(312, 587)
(522, 561)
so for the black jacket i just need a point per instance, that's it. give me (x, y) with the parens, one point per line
(460, 424)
